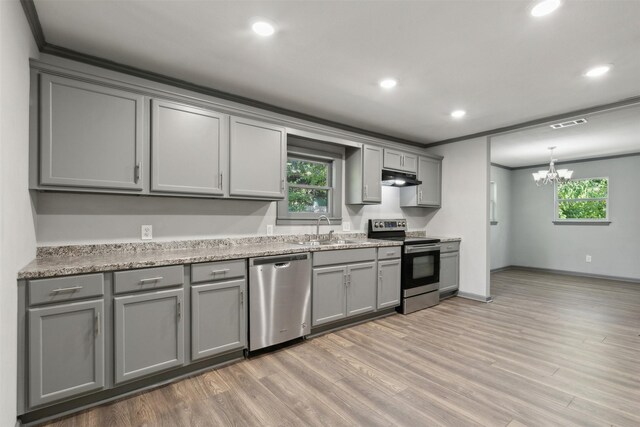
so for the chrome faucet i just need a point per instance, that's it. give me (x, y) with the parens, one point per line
(320, 218)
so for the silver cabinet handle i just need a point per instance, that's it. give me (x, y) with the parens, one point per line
(224, 270)
(151, 279)
(344, 280)
(179, 309)
(220, 180)
(137, 172)
(62, 290)
(282, 185)
(366, 191)
(98, 326)
(390, 253)
(241, 298)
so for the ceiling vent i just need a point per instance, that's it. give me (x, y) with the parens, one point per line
(569, 124)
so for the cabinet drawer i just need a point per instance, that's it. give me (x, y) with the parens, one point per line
(213, 271)
(389, 253)
(449, 247)
(67, 288)
(346, 256)
(148, 278)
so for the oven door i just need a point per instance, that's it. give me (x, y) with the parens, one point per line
(420, 267)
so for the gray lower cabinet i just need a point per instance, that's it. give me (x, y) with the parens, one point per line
(343, 291)
(66, 351)
(188, 149)
(388, 283)
(329, 299)
(257, 159)
(90, 135)
(361, 288)
(429, 193)
(148, 333)
(218, 318)
(449, 267)
(363, 175)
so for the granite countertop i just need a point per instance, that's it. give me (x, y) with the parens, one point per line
(68, 260)
(446, 239)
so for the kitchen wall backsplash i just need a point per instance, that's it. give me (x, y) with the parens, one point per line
(72, 218)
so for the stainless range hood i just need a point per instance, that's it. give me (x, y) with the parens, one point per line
(399, 179)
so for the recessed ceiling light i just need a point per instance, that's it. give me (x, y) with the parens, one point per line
(545, 7)
(458, 114)
(263, 28)
(598, 71)
(388, 83)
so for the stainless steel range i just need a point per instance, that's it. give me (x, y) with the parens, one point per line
(420, 263)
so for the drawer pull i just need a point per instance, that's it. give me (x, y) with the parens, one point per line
(62, 290)
(390, 253)
(151, 279)
(214, 272)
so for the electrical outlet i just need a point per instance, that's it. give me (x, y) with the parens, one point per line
(346, 226)
(270, 230)
(588, 258)
(146, 232)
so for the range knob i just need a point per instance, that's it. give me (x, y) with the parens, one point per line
(377, 224)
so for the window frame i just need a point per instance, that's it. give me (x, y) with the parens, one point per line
(584, 221)
(318, 152)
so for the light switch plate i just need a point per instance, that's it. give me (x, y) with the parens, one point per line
(146, 232)
(346, 226)
(270, 230)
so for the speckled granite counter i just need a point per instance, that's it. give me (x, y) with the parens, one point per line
(67, 260)
(444, 239)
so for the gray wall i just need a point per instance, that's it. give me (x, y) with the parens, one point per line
(17, 231)
(465, 210)
(71, 218)
(615, 249)
(500, 246)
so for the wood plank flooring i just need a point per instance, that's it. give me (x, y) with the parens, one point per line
(550, 350)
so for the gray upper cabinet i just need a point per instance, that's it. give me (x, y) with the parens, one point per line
(257, 159)
(429, 193)
(90, 135)
(66, 351)
(363, 171)
(188, 149)
(361, 288)
(218, 318)
(388, 283)
(148, 333)
(394, 159)
(329, 297)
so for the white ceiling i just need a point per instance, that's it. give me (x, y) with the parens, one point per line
(491, 58)
(606, 133)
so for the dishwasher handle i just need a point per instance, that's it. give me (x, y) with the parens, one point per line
(282, 264)
(279, 261)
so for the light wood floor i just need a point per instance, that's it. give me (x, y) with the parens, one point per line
(550, 350)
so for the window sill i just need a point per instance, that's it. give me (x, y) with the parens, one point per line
(585, 222)
(306, 221)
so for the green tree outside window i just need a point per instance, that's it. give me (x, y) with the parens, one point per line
(583, 199)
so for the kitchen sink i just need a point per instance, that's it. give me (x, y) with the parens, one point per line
(327, 242)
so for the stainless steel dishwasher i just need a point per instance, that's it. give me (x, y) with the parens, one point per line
(279, 299)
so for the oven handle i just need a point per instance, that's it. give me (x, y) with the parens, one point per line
(421, 248)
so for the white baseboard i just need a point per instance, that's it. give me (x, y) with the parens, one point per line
(475, 297)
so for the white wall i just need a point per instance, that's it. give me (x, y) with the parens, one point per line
(70, 218)
(500, 233)
(615, 249)
(17, 231)
(465, 210)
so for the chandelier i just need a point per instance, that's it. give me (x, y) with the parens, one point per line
(552, 175)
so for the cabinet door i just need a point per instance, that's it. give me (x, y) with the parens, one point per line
(372, 174)
(361, 288)
(410, 162)
(218, 318)
(66, 351)
(90, 135)
(258, 154)
(188, 149)
(392, 159)
(388, 283)
(449, 271)
(429, 172)
(328, 302)
(149, 333)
